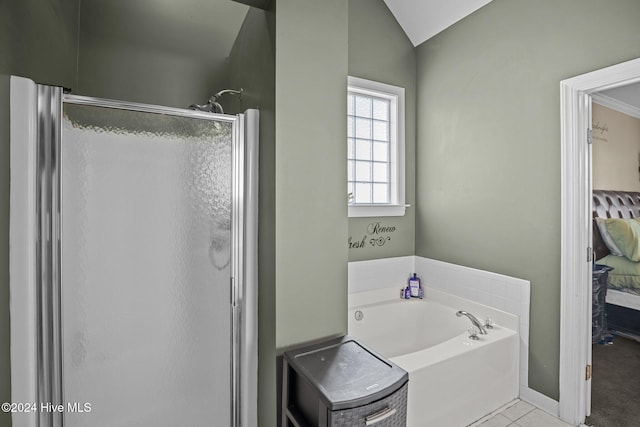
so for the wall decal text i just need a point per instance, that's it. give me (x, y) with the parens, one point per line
(377, 235)
(599, 130)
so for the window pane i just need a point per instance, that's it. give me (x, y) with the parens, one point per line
(380, 193)
(363, 193)
(363, 106)
(380, 172)
(363, 149)
(350, 127)
(363, 171)
(370, 143)
(380, 131)
(380, 151)
(350, 195)
(363, 128)
(381, 109)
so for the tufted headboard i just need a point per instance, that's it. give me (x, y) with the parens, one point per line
(612, 204)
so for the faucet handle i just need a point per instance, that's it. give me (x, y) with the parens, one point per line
(473, 333)
(488, 322)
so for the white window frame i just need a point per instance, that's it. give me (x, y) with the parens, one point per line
(395, 95)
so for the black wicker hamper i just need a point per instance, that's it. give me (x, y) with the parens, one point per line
(341, 383)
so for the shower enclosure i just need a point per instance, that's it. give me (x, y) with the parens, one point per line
(133, 263)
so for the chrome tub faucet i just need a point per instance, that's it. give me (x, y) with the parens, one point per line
(474, 320)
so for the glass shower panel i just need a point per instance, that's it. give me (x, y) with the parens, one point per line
(146, 266)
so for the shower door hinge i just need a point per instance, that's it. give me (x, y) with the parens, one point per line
(589, 136)
(589, 254)
(587, 373)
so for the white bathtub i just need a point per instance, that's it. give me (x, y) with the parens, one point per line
(453, 381)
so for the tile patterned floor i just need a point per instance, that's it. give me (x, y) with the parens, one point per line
(520, 414)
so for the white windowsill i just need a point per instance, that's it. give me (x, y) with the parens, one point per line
(359, 211)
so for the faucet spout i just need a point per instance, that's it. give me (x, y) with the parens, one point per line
(473, 320)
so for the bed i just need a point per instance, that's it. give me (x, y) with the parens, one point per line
(616, 244)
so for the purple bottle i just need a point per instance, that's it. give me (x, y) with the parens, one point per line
(414, 286)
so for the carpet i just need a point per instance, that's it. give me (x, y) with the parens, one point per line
(615, 384)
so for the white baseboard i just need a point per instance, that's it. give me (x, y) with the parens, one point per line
(539, 400)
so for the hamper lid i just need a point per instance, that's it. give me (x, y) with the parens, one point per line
(346, 373)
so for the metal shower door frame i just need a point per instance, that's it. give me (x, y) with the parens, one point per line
(36, 187)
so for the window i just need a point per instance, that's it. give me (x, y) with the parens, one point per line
(375, 148)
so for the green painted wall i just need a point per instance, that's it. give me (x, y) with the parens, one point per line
(488, 181)
(310, 175)
(389, 57)
(252, 67)
(311, 213)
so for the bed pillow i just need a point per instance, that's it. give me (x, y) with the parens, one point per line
(625, 234)
(600, 222)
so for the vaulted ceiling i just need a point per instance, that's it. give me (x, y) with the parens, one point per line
(423, 19)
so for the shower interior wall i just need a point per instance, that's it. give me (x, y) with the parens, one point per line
(172, 54)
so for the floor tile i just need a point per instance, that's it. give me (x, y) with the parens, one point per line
(498, 420)
(518, 410)
(539, 418)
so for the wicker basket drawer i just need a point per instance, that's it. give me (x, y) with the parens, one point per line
(388, 412)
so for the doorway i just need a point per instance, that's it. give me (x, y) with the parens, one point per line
(576, 251)
(616, 189)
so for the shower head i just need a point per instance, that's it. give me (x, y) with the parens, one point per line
(231, 91)
(209, 107)
(212, 106)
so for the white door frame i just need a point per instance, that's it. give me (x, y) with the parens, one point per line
(575, 294)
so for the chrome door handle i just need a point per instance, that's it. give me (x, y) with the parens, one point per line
(379, 416)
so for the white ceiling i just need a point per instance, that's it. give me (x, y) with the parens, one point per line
(629, 94)
(423, 19)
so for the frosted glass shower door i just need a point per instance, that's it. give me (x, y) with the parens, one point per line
(146, 265)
